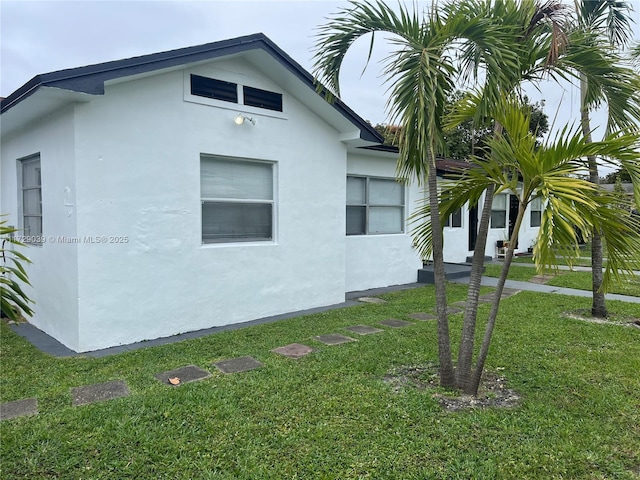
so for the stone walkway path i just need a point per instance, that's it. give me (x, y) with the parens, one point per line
(88, 394)
(101, 392)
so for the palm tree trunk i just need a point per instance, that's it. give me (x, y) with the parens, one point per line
(598, 304)
(465, 354)
(447, 377)
(474, 382)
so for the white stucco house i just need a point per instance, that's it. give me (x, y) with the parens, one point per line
(200, 187)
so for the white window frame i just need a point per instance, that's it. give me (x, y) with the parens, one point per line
(28, 236)
(504, 211)
(535, 207)
(368, 205)
(449, 221)
(234, 108)
(238, 201)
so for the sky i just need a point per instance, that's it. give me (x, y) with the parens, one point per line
(44, 36)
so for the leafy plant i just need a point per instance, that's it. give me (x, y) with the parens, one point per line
(13, 300)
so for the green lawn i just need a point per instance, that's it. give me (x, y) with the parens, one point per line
(330, 415)
(567, 279)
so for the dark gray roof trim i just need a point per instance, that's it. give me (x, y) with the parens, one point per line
(443, 165)
(90, 79)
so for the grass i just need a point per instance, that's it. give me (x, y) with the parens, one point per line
(567, 279)
(330, 415)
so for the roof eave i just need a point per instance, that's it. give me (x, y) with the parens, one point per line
(91, 79)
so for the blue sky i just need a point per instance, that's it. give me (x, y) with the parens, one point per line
(43, 36)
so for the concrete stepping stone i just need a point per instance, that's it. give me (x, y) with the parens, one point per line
(461, 304)
(334, 339)
(18, 408)
(486, 298)
(99, 392)
(238, 365)
(364, 329)
(293, 350)
(371, 300)
(508, 292)
(454, 310)
(422, 316)
(187, 374)
(393, 323)
(541, 279)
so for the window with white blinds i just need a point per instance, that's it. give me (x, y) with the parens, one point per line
(499, 211)
(237, 200)
(31, 201)
(536, 212)
(374, 206)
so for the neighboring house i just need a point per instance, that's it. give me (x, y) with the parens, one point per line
(627, 187)
(201, 187)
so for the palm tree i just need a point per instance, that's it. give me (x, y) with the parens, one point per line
(423, 74)
(511, 42)
(562, 53)
(598, 20)
(539, 30)
(528, 171)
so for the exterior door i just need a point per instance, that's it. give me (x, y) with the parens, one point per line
(514, 203)
(473, 227)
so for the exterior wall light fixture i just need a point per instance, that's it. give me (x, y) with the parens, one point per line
(240, 119)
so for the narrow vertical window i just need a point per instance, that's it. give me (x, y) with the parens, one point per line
(454, 220)
(536, 212)
(31, 198)
(499, 212)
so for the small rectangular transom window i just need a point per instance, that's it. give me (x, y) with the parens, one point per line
(256, 97)
(212, 88)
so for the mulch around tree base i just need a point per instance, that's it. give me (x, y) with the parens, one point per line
(493, 391)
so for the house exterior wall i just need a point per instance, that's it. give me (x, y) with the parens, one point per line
(456, 240)
(380, 260)
(138, 169)
(123, 259)
(54, 271)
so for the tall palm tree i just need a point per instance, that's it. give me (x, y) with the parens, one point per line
(537, 28)
(523, 169)
(423, 74)
(555, 49)
(598, 20)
